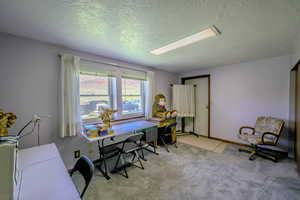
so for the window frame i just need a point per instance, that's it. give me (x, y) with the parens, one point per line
(132, 115)
(116, 102)
(110, 96)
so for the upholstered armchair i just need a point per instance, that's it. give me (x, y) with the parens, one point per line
(264, 135)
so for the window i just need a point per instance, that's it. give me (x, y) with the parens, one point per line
(94, 93)
(132, 96)
(118, 91)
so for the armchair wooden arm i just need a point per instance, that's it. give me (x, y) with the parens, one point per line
(247, 127)
(272, 134)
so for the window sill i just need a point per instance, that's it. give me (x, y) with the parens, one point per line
(127, 119)
(116, 121)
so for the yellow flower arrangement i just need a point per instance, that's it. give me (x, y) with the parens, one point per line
(6, 121)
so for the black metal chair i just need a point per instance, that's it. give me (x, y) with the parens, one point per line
(106, 152)
(86, 168)
(132, 145)
(166, 132)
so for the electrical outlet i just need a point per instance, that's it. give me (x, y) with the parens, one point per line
(77, 154)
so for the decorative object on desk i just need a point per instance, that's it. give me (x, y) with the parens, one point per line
(104, 129)
(95, 130)
(91, 130)
(106, 116)
(6, 121)
(159, 109)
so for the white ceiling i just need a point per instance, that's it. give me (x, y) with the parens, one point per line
(128, 29)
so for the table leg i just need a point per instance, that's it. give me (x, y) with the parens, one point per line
(102, 160)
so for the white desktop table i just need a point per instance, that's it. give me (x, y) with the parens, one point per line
(124, 128)
(118, 130)
(43, 175)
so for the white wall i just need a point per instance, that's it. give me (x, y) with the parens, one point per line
(296, 49)
(165, 79)
(29, 82)
(242, 92)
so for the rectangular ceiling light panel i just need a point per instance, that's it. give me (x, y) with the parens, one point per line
(207, 33)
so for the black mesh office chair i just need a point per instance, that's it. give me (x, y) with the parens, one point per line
(86, 168)
(165, 135)
(132, 145)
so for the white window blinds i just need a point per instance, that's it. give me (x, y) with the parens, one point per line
(133, 74)
(99, 69)
(94, 68)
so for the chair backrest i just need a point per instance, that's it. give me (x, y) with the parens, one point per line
(135, 137)
(132, 141)
(86, 168)
(269, 124)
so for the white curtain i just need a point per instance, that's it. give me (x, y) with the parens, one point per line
(184, 100)
(150, 90)
(70, 96)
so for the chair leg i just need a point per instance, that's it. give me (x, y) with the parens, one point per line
(139, 159)
(143, 156)
(252, 155)
(124, 166)
(264, 155)
(164, 143)
(125, 170)
(118, 160)
(99, 166)
(105, 166)
(251, 151)
(82, 193)
(245, 150)
(134, 155)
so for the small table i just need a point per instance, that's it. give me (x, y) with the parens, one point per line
(43, 175)
(118, 130)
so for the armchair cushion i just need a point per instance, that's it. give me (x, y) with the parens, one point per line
(255, 139)
(267, 131)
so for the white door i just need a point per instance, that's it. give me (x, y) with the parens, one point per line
(202, 107)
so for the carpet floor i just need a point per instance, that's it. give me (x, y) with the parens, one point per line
(190, 173)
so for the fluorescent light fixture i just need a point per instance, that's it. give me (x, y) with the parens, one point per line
(207, 33)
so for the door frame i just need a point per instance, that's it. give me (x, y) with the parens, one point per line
(183, 79)
(297, 99)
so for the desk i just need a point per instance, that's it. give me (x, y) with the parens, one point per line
(120, 130)
(43, 175)
(164, 123)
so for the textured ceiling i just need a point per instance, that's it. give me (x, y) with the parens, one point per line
(128, 29)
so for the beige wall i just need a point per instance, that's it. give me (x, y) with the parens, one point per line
(29, 82)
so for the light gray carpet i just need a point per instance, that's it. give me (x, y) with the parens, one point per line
(190, 173)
